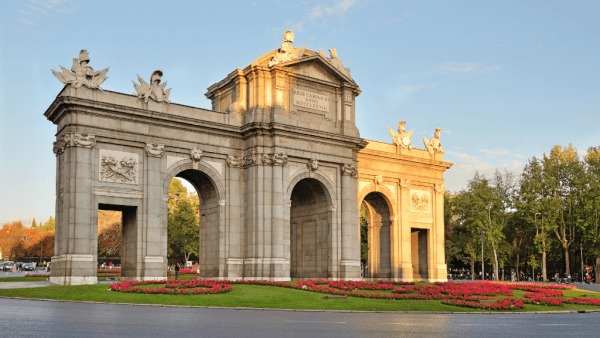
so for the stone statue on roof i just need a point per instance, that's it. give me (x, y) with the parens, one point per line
(402, 138)
(434, 145)
(154, 90)
(81, 74)
(287, 53)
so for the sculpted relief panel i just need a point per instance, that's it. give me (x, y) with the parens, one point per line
(118, 167)
(419, 201)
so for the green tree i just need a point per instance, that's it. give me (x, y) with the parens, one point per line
(532, 207)
(564, 177)
(480, 208)
(33, 224)
(364, 240)
(177, 192)
(590, 224)
(183, 231)
(49, 225)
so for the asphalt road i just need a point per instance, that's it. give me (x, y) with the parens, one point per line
(25, 318)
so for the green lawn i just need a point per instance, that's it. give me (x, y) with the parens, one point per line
(261, 297)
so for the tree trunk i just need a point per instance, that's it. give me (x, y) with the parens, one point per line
(495, 262)
(473, 269)
(568, 270)
(517, 274)
(597, 271)
(544, 278)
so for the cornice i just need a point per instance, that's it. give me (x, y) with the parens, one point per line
(403, 158)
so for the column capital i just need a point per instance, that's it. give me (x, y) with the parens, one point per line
(404, 183)
(350, 170)
(235, 161)
(84, 140)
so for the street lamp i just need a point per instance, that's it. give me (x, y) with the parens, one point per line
(481, 238)
(581, 253)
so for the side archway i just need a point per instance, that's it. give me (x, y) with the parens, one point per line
(211, 213)
(382, 231)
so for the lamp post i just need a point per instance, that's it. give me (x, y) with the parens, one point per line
(581, 253)
(481, 238)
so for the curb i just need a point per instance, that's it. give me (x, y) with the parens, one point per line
(302, 310)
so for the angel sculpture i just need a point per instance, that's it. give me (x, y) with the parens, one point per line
(81, 74)
(434, 145)
(403, 138)
(154, 90)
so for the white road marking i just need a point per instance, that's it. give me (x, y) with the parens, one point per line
(305, 321)
(557, 324)
(406, 324)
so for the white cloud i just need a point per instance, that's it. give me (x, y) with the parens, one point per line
(39, 9)
(494, 153)
(340, 7)
(414, 88)
(298, 27)
(466, 165)
(468, 68)
(315, 13)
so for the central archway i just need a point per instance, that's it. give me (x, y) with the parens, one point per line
(310, 230)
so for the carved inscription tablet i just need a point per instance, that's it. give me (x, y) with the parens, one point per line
(118, 167)
(311, 100)
(419, 201)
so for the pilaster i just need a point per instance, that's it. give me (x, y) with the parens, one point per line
(406, 271)
(75, 263)
(350, 263)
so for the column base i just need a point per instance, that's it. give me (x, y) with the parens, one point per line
(350, 270)
(74, 280)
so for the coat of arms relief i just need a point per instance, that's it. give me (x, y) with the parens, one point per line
(420, 201)
(118, 167)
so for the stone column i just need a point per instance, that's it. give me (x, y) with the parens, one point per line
(350, 242)
(76, 262)
(58, 239)
(439, 259)
(235, 261)
(280, 267)
(265, 189)
(254, 217)
(406, 270)
(153, 251)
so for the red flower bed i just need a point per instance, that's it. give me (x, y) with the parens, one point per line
(450, 293)
(173, 287)
(36, 275)
(506, 304)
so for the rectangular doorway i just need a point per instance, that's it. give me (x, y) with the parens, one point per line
(419, 256)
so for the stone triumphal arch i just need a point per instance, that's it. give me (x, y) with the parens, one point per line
(278, 163)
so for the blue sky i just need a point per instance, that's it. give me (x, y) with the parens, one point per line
(504, 80)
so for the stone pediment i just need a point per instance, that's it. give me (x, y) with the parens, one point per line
(318, 67)
(311, 64)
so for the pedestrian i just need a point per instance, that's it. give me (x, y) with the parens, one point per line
(176, 271)
(493, 276)
(110, 265)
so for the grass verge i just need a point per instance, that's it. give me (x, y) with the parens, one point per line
(262, 297)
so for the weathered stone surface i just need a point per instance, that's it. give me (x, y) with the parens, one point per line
(279, 182)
